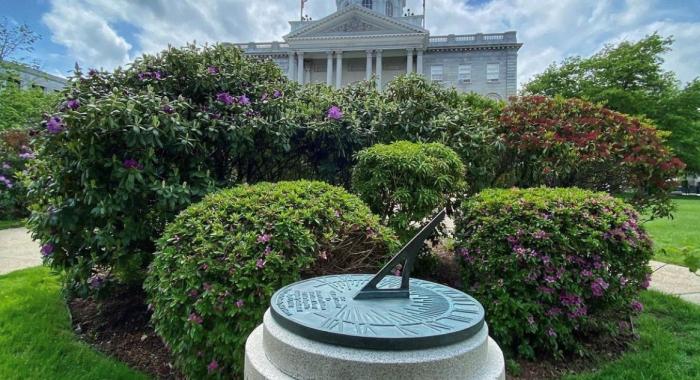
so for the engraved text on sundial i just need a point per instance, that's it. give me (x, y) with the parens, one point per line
(323, 308)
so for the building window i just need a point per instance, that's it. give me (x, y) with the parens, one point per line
(493, 72)
(367, 4)
(389, 9)
(436, 73)
(465, 73)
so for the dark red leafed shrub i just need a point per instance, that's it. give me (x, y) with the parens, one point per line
(552, 267)
(569, 142)
(219, 262)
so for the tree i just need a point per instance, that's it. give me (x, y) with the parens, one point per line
(628, 78)
(22, 107)
(15, 39)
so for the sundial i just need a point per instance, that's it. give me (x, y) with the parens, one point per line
(381, 311)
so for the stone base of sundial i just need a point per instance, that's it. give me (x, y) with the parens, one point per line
(317, 329)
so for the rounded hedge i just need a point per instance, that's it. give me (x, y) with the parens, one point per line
(552, 267)
(219, 262)
(405, 182)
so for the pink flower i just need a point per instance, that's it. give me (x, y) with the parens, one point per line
(264, 238)
(260, 264)
(240, 303)
(213, 366)
(551, 332)
(267, 250)
(213, 70)
(196, 319)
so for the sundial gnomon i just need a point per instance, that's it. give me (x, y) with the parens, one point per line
(379, 311)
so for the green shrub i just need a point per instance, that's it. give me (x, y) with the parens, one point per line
(15, 152)
(570, 142)
(420, 111)
(552, 267)
(406, 182)
(219, 262)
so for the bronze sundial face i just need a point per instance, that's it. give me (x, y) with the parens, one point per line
(326, 309)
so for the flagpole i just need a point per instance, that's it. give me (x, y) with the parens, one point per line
(424, 13)
(301, 11)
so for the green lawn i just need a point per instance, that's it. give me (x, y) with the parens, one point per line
(668, 348)
(674, 234)
(36, 340)
(11, 224)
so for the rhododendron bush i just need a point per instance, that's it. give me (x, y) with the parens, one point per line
(569, 142)
(219, 262)
(15, 153)
(552, 267)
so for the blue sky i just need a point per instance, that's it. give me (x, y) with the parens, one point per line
(108, 33)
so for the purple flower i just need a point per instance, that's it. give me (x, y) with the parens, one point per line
(545, 289)
(92, 72)
(194, 293)
(260, 264)
(196, 319)
(553, 312)
(54, 125)
(5, 165)
(243, 100)
(240, 304)
(264, 238)
(334, 113)
(277, 94)
(47, 249)
(96, 281)
(213, 366)
(623, 281)
(157, 75)
(586, 273)
(73, 104)
(224, 97)
(578, 312)
(206, 286)
(132, 164)
(551, 332)
(598, 287)
(268, 250)
(569, 299)
(213, 70)
(637, 306)
(168, 109)
(646, 282)
(530, 320)
(26, 155)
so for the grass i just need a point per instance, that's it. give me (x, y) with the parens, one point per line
(4, 224)
(36, 339)
(672, 235)
(668, 348)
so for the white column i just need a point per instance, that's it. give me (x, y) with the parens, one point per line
(379, 70)
(292, 67)
(368, 68)
(419, 62)
(409, 61)
(329, 68)
(300, 67)
(338, 69)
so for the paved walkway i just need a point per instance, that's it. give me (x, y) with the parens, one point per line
(677, 280)
(17, 251)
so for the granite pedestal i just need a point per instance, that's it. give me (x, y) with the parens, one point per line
(273, 352)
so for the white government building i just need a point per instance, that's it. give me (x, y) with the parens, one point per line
(378, 37)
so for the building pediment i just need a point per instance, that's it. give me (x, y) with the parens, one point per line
(355, 21)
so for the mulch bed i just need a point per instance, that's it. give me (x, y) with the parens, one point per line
(119, 328)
